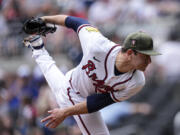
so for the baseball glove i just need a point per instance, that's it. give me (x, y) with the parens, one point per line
(37, 26)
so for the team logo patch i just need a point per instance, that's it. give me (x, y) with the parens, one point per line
(133, 43)
(91, 29)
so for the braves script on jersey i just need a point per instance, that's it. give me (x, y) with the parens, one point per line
(95, 73)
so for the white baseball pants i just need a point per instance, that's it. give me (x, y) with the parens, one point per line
(89, 124)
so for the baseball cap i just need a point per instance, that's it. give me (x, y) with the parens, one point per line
(141, 42)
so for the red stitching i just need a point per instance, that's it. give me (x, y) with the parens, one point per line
(68, 93)
(70, 81)
(105, 63)
(115, 97)
(124, 81)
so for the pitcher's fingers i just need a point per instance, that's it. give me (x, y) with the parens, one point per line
(50, 111)
(46, 118)
(54, 125)
(49, 123)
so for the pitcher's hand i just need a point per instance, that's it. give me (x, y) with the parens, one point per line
(56, 117)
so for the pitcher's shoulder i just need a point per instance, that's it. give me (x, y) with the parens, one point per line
(139, 78)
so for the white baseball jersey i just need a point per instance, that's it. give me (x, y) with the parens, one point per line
(95, 73)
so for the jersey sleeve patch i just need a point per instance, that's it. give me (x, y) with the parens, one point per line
(88, 28)
(92, 29)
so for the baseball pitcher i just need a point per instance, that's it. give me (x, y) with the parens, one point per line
(107, 73)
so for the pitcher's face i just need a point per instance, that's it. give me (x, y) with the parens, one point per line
(141, 61)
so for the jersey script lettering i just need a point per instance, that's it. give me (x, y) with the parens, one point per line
(99, 84)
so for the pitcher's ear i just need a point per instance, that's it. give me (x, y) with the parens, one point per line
(129, 52)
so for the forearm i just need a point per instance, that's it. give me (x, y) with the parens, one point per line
(80, 108)
(93, 103)
(65, 20)
(55, 19)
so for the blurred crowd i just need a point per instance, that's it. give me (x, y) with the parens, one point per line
(25, 96)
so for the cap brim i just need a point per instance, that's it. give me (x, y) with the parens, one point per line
(149, 52)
